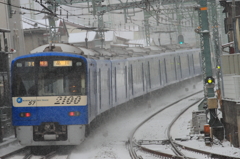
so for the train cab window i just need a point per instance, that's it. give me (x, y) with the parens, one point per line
(46, 77)
(24, 84)
(61, 81)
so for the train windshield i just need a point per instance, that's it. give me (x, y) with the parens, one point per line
(57, 76)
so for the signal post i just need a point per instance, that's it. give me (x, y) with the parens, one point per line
(210, 102)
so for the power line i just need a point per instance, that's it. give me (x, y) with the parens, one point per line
(30, 9)
(43, 6)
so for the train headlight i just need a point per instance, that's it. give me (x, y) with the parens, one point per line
(76, 113)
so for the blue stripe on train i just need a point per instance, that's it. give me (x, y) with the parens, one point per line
(50, 114)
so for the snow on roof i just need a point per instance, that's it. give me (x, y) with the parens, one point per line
(109, 36)
(30, 23)
(125, 34)
(43, 23)
(139, 41)
(80, 37)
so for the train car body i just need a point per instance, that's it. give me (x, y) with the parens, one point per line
(56, 93)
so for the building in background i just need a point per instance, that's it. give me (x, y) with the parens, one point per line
(11, 19)
(12, 45)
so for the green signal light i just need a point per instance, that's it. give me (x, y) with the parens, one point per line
(181, 42)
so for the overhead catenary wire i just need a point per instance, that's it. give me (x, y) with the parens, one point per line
(25, 8)
(68, 13)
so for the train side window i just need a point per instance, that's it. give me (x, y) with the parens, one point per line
(165, 70)
(126, 81)
(193, 64)
(189, 66)
(175, 67)
(143, 77)
(180, 66)
(160, 72)
(131, 74)
(100, 88)
(115, 78)
(109, 85)
(149, 74)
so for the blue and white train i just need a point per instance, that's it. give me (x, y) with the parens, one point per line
(58, 90)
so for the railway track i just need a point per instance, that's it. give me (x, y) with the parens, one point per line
(178, 150)
(28, 153)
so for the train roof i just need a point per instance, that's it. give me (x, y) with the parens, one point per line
(113, 53)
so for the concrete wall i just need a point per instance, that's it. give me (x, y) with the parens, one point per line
(34, 39)
(231, 121)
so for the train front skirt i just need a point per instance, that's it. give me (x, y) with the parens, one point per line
(26, 135)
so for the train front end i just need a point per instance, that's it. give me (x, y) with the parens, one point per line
(49, 97)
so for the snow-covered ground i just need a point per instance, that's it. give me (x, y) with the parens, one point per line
(108, 140)
(157, 127)
(183, 125)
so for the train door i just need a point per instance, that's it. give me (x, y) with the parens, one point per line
(92, 91)
(178, 68)
(130, 80)
(143, 78)
(164, 77)
(104, 86)
(175, 68)
(160, 73)
(114, 84)
(148, 75)
(189, 65)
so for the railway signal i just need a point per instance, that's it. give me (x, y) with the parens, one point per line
(180, 39)
(209, 82)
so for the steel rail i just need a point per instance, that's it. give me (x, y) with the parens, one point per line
(179, 153)
(14, 152)
(131, 141)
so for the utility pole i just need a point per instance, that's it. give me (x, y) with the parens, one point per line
(217, 49)
(31, 5)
